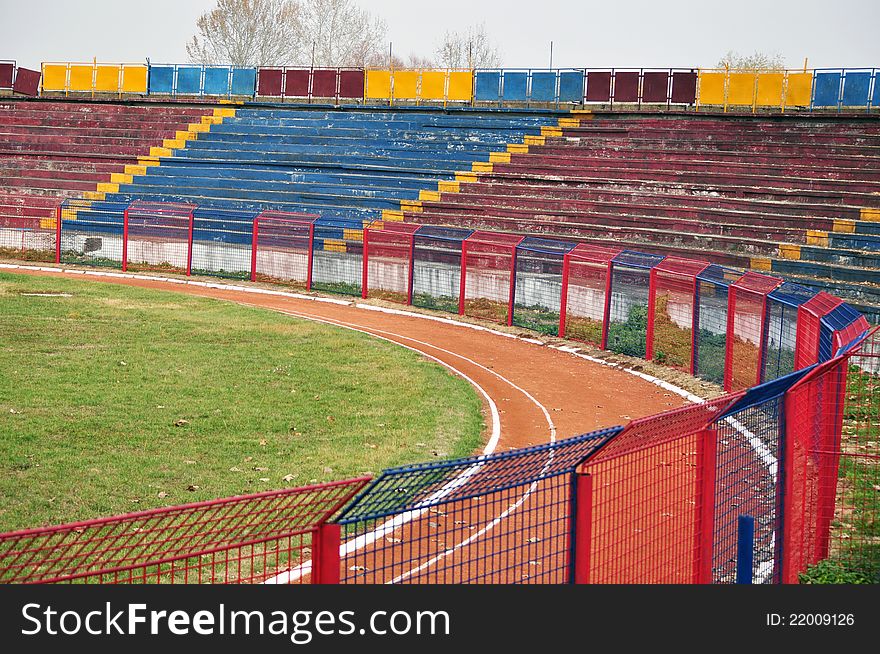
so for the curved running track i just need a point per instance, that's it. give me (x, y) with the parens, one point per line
(541, 393)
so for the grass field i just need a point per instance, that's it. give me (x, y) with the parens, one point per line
(119, 399)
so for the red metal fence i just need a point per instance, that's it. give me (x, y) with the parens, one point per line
(247, 539)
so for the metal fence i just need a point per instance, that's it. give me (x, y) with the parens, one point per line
(747, 330)
(673, 313)
(246, 539)
(627, 318)
(488, 276)
(389, 266)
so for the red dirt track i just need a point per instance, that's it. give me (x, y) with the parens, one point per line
(579, 395)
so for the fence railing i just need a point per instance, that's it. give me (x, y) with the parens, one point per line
(820, 89)
(733, 328)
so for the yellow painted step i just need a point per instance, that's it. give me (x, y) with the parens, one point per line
(499, 157)
(93, 195)
(465, 177)
(211, 120)
(534, 140)
(844, 226)
(759, 263)
(413, 206)
(185, 136)
(817, 237)
(135, 170)
(224, 112)
(353, 234)
(393, 216)
(551, 131)
(569, 122)
(48, 223)
(444, 186)
(789, 251)
(108, 187)
(160, 152)
(869, 214)
(198, 127)
(334, 245)
(148, 161)
(481, 167)
(429, 196)
(120, 178)
(172, 144)
(517, 148)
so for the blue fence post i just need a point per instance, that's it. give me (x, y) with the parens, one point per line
(745, 549)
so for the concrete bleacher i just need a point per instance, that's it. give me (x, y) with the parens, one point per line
(55, 150)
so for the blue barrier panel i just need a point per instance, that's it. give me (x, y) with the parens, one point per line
(826, 90)
(543, 87)
(571, 86)
(875, 99)
(216, 81)
(855, 89)
(161, 79)
(244, 81)
(488, 86)
(516, 87)
(189, 80)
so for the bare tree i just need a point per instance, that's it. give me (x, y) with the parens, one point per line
(472, 48)
(755, 61)
(340, 33)
(248, 33)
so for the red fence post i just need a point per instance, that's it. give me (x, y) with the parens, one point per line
(412, 268)
(649, 333)
(563, 298)
(829, 467)
(583, 527)
(325, 554)
(704, 532)
(311, 256)
(786, 470)
(695, 326)
(462, 280)
(512, 294)
(254, 248)
(125, 240)
(189, 254)
(365, 258)
(58, 234)
(607, 309)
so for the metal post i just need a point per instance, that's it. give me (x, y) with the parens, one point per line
(512, 293)
(311, 256)
(607, 310)
(412, 268)
(462, 281)
(652, 302)
(704, 534)
(254, 239)
(365, 259)
(58, 234)
(325, 554)
(728, 346)
(125, 240)
(745, 549)
(189, 254)
(583, 528)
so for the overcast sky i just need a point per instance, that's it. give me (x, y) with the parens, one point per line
(585, 33)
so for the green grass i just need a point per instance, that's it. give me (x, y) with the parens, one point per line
(537, 318)
(121, 399)
(442, 303)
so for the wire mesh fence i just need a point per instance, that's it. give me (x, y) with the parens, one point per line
(586, 293)
(501, 518)
(158, 236)
(628, 311)
(782, 324)
(337, 256)
(389, 261)
(436, 272)
(91, 233)
(747, 330)
(222, 242)
(711, 324)
(673, 298)
(246, 539)
(489, 272)
(538, 284)
(809, 331)
(282, 248)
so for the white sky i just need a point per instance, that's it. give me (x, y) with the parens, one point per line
(585, 33)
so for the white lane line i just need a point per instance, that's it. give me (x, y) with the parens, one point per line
(398, 521)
